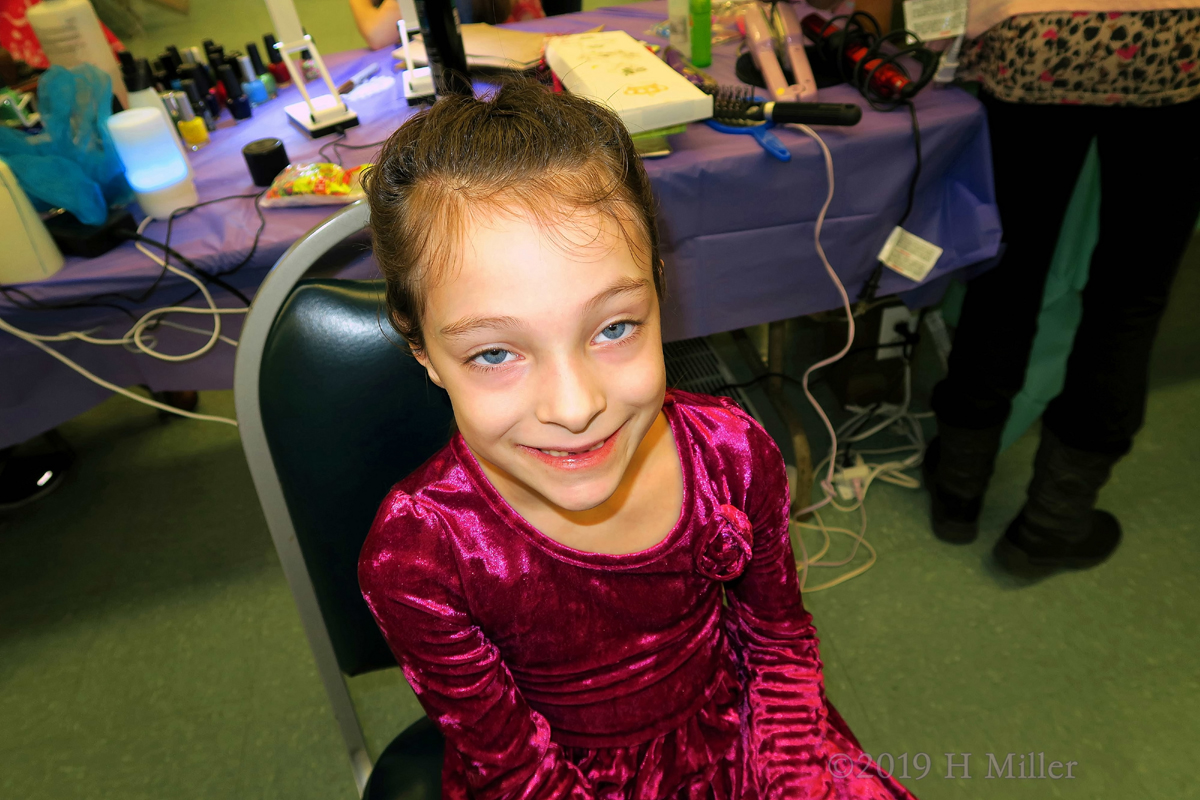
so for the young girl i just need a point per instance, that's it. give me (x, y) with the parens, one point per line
(591, 588)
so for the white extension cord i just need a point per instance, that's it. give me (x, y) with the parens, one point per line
(856, 480)
(143, 342)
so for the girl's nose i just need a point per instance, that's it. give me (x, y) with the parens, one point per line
(570, 396)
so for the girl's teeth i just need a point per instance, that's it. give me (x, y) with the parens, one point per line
(565, 453)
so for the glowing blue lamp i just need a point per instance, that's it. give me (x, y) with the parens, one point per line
(155, 167)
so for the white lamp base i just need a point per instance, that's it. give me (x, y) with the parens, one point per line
(162, 203)
(418, 84)
(331, 116)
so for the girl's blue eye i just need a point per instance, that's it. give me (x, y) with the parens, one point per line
(493, 357)
(617, 330)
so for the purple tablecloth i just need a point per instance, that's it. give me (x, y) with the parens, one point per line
(736, 227)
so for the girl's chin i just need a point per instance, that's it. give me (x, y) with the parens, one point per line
(578, 495)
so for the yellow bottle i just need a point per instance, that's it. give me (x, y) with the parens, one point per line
(191, 128)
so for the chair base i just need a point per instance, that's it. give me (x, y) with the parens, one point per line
(411, 766)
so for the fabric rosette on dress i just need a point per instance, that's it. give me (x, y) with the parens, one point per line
(724, 550)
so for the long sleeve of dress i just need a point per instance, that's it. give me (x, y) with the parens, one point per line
(787, 720)
(410, 580)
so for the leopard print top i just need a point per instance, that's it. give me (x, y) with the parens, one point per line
(1144, 58)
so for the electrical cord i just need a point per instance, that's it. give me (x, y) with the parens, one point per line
(138, 336)
(338, 144)
(869, 289)
(216, 280)
(724, 387)
(863, 30)
(862, 425)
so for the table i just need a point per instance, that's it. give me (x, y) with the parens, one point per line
(736, 229)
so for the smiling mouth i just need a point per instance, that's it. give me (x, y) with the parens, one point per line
(565, 453)
(594, 455)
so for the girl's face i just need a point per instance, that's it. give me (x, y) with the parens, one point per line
(551, 353)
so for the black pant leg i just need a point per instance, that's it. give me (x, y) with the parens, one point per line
(1037, 154)
(1150, 199)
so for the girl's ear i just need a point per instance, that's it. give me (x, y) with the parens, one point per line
(422, 357)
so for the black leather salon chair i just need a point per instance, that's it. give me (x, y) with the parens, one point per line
(333, 411)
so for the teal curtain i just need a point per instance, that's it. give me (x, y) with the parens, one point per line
(1062, 303)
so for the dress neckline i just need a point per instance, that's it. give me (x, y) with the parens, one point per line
(561, 551)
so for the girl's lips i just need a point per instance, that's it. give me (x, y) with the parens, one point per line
(573, 461)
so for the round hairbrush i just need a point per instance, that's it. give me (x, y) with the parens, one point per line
(737, 105)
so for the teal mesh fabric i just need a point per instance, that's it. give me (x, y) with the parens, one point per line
(71, 164)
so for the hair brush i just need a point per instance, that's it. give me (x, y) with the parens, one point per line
(737, 105)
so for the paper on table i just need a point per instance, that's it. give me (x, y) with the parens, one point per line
(488, 46)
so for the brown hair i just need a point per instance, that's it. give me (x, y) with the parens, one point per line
(546, 154)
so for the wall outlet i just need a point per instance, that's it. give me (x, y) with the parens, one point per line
(891, 317)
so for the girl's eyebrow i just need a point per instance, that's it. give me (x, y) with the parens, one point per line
(468, 325)
(623, 286)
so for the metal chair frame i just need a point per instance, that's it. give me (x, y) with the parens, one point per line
(274, 292)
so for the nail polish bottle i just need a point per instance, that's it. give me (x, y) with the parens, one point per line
(251, 85)
(196, 101)
(216, 58)
(308, 66)
(197, 75)
(191, 128)
(237, 102)
(173, 51)
(167, 66)
(278, 69)
(264, 75)
(171, 104)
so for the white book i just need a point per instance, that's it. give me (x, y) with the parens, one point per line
(613, 68)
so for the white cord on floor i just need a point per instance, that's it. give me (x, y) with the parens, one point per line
(144, 343)
(898, 416)
(827, 482)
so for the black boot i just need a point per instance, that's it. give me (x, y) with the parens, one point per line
(958, 465)
(1060, 527)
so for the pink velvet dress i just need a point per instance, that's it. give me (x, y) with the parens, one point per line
(686, 671)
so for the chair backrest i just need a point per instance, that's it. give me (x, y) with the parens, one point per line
(345, 412)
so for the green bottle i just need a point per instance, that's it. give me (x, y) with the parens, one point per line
(701, 32)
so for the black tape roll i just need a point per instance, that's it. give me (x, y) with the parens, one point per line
(266, 158)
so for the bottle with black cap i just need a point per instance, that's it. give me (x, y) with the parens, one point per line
(254, 88)
(196, 100)
(278, 69)
(142, 94)
(260, 69)
(198, 75)
(236, 100)
(128, 62)
(167, 66)
(191, 127)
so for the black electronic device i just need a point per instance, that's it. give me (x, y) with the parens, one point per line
(444, 46)
(89, 241)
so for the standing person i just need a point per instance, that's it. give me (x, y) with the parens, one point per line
(18, 38)
(591, 588)
(1129, 77)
